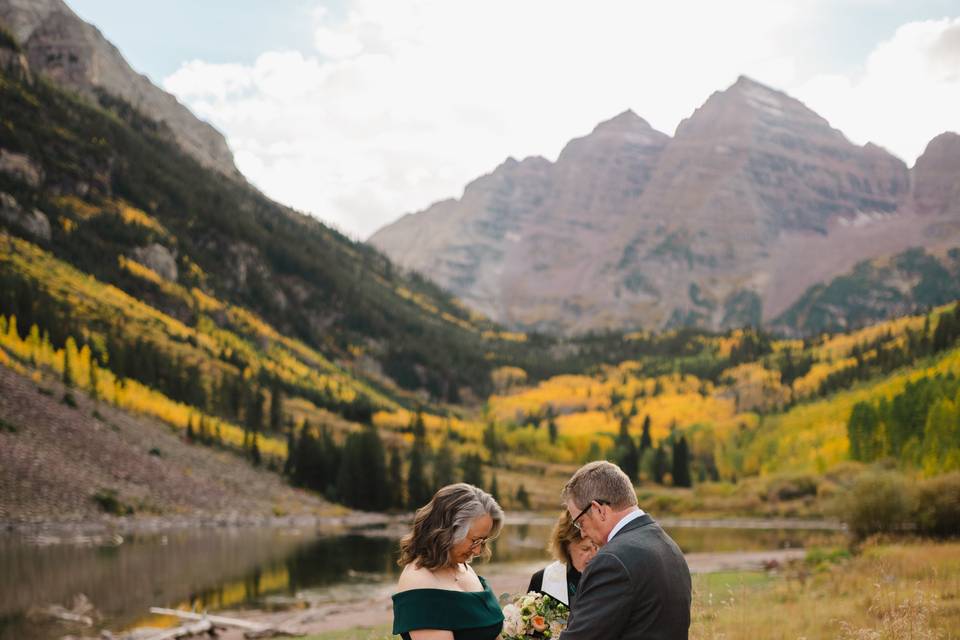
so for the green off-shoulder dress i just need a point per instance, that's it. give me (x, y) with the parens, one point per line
(471, 615)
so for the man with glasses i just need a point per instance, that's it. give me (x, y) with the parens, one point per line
(638, 585)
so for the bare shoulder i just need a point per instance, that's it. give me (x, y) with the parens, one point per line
(415, 577)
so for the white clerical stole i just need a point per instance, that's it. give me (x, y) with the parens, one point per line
(555, 582)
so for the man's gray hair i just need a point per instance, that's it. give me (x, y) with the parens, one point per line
(600, 480)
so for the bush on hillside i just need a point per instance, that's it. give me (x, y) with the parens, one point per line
(793, 487)
(877, 503)
(937, 506)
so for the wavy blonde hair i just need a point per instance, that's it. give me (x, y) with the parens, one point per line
(444, 522)
(563, 535)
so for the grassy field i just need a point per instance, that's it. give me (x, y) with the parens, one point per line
(893, 591)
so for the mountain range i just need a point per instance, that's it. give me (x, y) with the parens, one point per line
(755, 205)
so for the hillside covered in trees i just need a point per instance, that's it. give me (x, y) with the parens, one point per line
(138, 279)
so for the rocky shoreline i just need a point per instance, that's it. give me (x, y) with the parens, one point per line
(107, 527)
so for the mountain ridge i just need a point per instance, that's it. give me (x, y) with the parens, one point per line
(76, 55)
(644, 230)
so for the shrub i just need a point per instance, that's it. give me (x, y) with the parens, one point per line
(846, 473)
(69, 400)
(109, 503)
(791, 487)
(877, 503)
(937, 506)
(6, 426)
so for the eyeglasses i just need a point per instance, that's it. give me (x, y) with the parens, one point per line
(584, 512)
(478, 543)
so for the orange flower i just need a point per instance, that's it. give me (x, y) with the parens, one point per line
(539, 624)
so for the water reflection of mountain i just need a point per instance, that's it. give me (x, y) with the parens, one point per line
(123, 582)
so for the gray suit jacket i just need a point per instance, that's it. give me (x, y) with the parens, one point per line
(637, 587)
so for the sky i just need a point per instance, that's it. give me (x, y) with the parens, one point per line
(360, 111)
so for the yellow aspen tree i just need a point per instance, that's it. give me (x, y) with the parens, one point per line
(84, 365)
(69, 360)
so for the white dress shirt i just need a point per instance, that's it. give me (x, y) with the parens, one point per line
(624, 521)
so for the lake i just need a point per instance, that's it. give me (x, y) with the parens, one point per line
(219, 569)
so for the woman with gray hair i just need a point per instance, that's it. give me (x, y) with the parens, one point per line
(439, 597)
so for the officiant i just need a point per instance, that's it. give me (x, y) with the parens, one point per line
(571, 553)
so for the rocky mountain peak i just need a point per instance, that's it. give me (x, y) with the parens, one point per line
(750, 107)
(624, 123)
(624, 134)
(75, 55)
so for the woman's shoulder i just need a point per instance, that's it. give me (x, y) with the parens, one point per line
(414, 576)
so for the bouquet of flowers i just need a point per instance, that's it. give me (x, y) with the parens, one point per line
(534, 615)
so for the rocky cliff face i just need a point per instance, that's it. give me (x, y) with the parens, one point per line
(936, 177)
(748, 169)
(75, 54)
(755, 199)
(522, 239)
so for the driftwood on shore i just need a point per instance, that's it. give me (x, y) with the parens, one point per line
(251, 629)
(192, 629)
(82, 612)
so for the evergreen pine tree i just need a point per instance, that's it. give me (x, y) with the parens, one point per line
(396, 479)
(552, 430)
(866, 434)
(659, 464)
(523, 498)
(473, 469)
(418, 491)
(444, 466)
(276, 408)
(329, 457)
(362, 482)
(305, 467)
(494, 488)
(254, 418)
(492, 442)
(418, 426)
(628, 458)
(646, 442)
(255, 450)
(191, 434)
(681, 464)
(349, 478)
(290, 463)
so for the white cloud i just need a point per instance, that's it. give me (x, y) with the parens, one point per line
(908, 93)
(405, 101)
